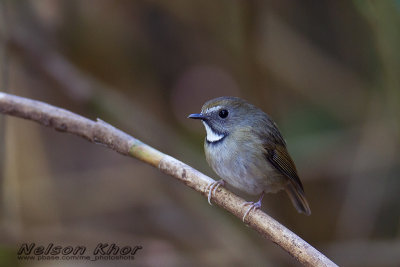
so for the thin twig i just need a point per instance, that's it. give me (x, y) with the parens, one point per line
(102, 133)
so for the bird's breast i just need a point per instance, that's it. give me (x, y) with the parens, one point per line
(241, 167)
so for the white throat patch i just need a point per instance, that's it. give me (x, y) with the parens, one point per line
(211, 135)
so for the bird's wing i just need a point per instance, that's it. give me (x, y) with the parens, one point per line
(277, 154)
(279, 157)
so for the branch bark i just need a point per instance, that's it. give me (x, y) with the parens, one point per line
(100, 132)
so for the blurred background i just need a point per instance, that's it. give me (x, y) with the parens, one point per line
(328, 72)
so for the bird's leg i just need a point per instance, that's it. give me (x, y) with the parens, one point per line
(212, 187)
(253, 205)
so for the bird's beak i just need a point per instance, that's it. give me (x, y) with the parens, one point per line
(198, 116)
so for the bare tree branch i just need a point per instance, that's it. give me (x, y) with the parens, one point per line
(102, 133)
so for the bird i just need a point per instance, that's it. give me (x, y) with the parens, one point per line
(244, 147)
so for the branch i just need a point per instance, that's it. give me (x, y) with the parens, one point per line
(100, 132)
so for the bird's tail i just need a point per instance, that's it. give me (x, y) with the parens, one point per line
(296, 195)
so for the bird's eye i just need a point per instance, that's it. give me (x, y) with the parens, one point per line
(223, 113)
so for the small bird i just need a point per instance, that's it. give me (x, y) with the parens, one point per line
(245, 148)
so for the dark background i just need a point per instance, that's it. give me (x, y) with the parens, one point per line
(326, 71)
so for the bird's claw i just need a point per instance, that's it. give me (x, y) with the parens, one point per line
(253, 206)
(212, 187)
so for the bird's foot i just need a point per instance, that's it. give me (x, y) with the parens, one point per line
(212, 187)
(253, 206)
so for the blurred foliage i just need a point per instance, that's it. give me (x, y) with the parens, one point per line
(326, 71)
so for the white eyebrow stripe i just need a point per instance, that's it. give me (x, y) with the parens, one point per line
(209, 110)
(211, 135)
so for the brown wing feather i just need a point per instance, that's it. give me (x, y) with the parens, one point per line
(276, 152)
(278, 156)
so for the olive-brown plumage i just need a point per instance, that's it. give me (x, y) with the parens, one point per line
(245, 148)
